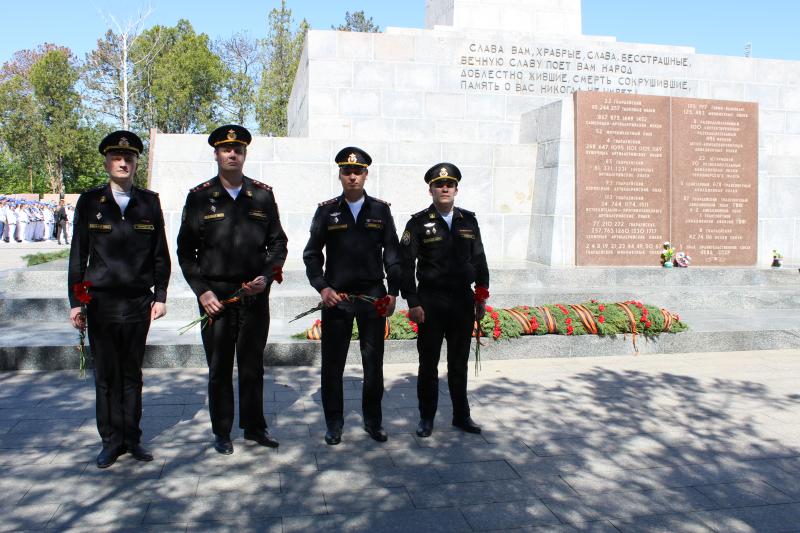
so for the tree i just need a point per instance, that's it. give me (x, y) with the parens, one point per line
(110, 67)
(178, 92)
(281, 54)
(40, 110)
(357, 22)
(240, 55)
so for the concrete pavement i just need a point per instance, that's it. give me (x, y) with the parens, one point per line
(678, 443)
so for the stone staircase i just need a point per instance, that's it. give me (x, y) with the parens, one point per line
(727, 309)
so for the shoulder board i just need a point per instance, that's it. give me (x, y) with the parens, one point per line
(419, 213)
(467, 212)
(329, 202)
(96, 189)
(148, 191)
(202, 186)
(261, 185)
(381, 201)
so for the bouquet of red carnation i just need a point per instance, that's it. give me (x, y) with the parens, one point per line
(381, 304)
(481, 295)
(205, 320)
(81, 293)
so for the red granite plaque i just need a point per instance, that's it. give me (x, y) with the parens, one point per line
(650, 169)
(622, 178)
(715, 181)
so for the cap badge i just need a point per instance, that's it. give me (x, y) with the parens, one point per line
(123, 141)
(231, 135)
(352, 158)
(443, 172)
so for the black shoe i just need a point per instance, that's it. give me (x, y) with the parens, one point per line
(424, 428)
(262, 437)
(467, 425)
(109, 456)
(140, 453)
(333, 436)
(377, 433)
(223, 444)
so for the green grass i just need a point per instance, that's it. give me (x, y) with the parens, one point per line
(45, 257)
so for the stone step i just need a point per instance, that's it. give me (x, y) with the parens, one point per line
(52, 345)
(504, 277)
(287, 303)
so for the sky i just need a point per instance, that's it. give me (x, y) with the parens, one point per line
(720, 27)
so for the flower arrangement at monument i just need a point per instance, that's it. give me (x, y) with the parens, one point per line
(667, 255)
(682, 260)
(587, 318)
(776, 259)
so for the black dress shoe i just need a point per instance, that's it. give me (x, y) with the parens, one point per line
(109, 456)
(467, 425)
(424, 428)
(223, 444)
(377, 433)
(140, 453)
(262, 437)
(333, 436)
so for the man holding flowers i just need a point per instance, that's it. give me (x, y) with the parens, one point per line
(231, 247)
(442, 249)
(119, 251)
(358, 234)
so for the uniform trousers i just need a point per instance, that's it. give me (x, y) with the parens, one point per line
(240, 331)
(61, 229)
(450, 315)
(117, 342)
(337, 328)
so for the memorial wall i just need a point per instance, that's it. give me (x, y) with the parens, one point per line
(650, 169)
(483, 86)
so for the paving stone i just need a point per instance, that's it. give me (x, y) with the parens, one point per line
(106, 512)
(428, 520)
(373, 499)
(26, 517)
(667, 523)
(744, 494)
(763, 519)
(238, 484)
(482, 471)
(510, 514)
(236, 525)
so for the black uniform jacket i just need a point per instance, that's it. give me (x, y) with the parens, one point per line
(116, 253)
(222, 239)
(446, 258)
(356, 251)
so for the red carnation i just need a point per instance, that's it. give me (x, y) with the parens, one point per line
(277, 274)
(489, 309)
(568, 321)
(414, 327)
(497, 333)
(534, 323)
(481, 294)
(678, 318)
(81, 292)
(495, 315)
(570, 330)
(601, 308)
(601, 319)
(643, 319)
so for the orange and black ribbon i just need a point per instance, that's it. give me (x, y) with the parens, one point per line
(586, 317)
(549, 321)
(629, 314)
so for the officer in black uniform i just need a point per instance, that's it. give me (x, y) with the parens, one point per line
(231, 240)
(442, 246)
(119, 246)
(360, 241)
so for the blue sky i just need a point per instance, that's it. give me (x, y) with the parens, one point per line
(711, 26)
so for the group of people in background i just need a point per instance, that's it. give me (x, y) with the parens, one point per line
(34, 221)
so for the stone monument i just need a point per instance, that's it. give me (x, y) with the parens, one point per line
(488, 85)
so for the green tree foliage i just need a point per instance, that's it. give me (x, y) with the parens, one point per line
(41, 114)
(179, 90)
(281, 55)
(357, 21)
(240, 55)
